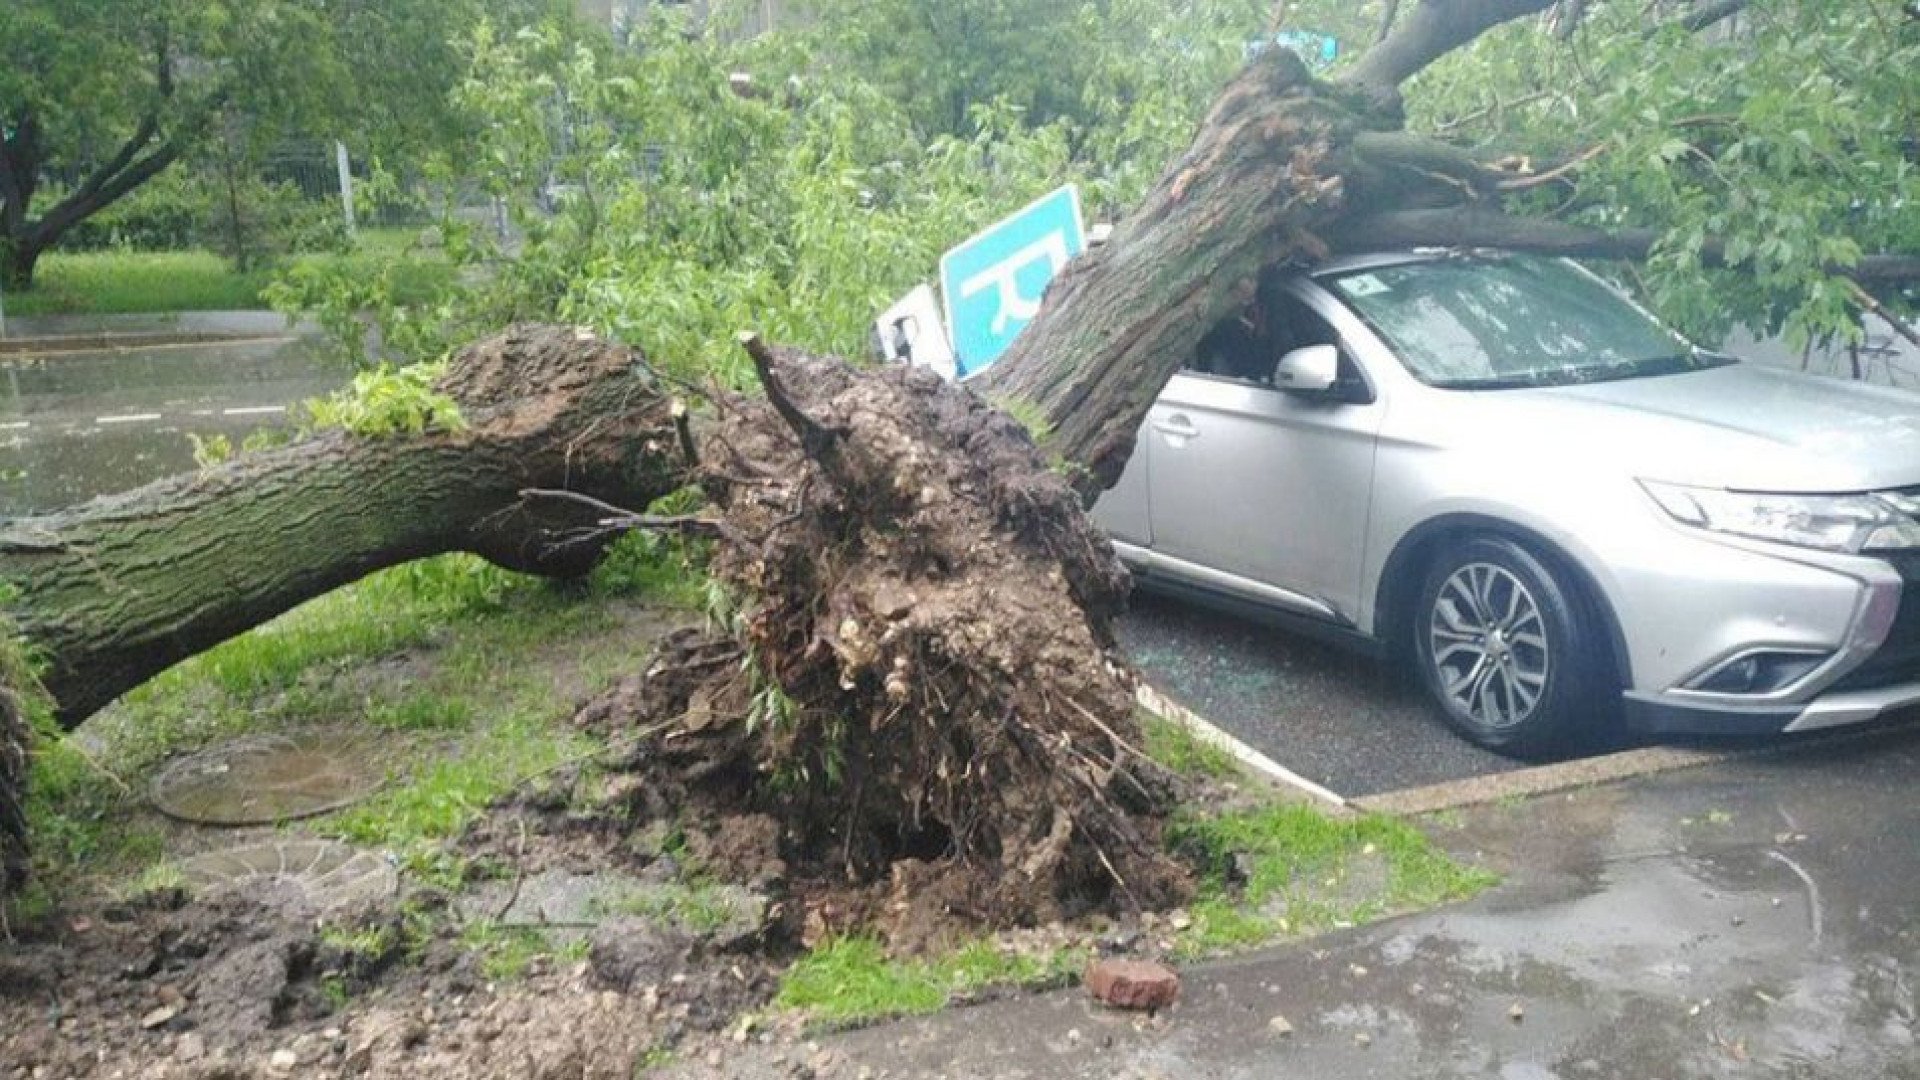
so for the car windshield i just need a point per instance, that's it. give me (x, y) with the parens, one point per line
(1486, 323)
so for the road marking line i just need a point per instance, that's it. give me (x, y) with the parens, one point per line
(255, 410)
(1154, 700)
(128, 418)
(16, 425)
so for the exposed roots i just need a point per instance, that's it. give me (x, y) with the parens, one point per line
(14, 739)
(919, 685)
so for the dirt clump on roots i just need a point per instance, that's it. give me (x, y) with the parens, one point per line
(915, 710)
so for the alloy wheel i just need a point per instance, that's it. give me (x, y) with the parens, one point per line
(1488, 643)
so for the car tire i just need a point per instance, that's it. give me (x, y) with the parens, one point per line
(1505, 651)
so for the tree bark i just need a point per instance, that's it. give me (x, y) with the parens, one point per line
(1279, 163)
(1262, 176)
(18, 260)
(1431, 30)
(122, 588)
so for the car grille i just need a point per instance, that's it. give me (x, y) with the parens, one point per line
(1898, 660)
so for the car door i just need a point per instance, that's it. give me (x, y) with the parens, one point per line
(1262, 492)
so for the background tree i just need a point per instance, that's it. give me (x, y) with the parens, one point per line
(1779, 139)
(98, 98)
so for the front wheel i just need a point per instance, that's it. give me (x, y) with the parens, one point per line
(1503, 650)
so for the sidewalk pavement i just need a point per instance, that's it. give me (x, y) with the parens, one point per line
(1749, 918)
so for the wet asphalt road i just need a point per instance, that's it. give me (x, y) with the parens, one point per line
(110, 404)
(1352, 725)
(1750, 918)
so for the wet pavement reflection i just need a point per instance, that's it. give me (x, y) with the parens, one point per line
(85, 418)
(1753, 917)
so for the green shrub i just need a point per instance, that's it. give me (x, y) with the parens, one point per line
(166, 213)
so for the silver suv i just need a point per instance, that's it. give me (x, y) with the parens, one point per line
(1502, 469)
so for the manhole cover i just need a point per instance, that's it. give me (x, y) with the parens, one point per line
(321, 874)
(262, 779)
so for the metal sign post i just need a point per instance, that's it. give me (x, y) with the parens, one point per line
(910, 332)
(345, 169)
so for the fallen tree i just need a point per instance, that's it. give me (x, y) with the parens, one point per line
(922, 652)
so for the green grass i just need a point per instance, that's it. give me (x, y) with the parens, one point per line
(416, 652)
(1178, 748)
(694, 904)
(129, 282)
(851, 980)
(505, 952)
(656, 1057)
(1305, 871)
(113, 282)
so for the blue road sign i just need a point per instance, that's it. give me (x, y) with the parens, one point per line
(1317, 49)
(992, 284)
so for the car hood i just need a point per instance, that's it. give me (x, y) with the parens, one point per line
(1739, 426)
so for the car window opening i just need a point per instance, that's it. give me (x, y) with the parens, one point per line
(1249, 344)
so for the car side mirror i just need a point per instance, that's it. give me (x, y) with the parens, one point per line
(1310, 370)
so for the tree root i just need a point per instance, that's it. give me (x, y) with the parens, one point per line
(920, 685)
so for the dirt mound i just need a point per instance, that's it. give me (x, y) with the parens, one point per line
(918, 685)
(250, 987)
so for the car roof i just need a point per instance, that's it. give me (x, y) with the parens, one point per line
(1372, 260)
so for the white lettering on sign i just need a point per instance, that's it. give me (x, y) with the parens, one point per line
(1004, 276)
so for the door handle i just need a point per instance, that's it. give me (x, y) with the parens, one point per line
(1177, 426)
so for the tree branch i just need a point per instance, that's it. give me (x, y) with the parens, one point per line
(1433, 29)
(1470, 228)
(613, 521)
(122, 158)
(1532, 180)
(1567, 17)
(818, 441)
(85, 201)
(1712, 14)
(1389, 10)
(1872, 303)
(143, 134)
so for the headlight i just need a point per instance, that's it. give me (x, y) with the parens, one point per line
(1847, 523)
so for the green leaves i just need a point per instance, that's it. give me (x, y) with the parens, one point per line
(388, 401)
(1787, 133)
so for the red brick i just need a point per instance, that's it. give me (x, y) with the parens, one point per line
(1132, 984)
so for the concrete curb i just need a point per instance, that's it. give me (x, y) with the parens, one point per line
(1149, 698)
(1539, 780)
(34, 348)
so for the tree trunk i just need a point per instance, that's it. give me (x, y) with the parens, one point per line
(1262, 175)
(124, 587)
(17, 266)
(1280, 164)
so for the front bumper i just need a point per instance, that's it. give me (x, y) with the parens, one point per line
(1873, 685)
(1662, 716)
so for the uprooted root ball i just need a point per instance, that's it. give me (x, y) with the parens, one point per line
(919, 682)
